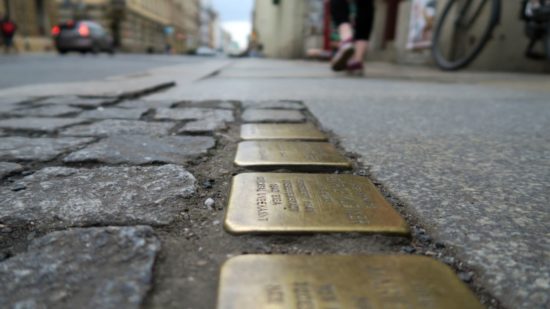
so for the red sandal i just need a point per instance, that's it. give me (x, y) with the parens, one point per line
(355, 68)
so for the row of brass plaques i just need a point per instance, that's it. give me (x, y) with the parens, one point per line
(356, 282)
(302, 203)
(315, 203)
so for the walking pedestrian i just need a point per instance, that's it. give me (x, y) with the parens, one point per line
(8, 28)
(354, 36)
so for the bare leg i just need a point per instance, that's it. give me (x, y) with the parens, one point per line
(361, 47)
(346, 32)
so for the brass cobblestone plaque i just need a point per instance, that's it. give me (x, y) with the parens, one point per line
(301, 203)
(341, 282)
(275, 154)
(271, 131)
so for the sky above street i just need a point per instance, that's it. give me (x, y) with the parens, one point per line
(236, 18)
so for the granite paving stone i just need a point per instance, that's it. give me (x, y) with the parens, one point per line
(7, 168)
(145, 104)
(203, 126)
(69, 197)
(273, 105)
(46, 111)
(38, 149)
(207, 104)
(120, 127)
(195, 113)
(272, 115)
(13, 100)
(78, 101)
(105, 267)
(140, 149)
(48, 125)
(114, 113)
(6, 108)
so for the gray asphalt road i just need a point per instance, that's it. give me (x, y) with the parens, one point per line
(19, 70)
(470, 161)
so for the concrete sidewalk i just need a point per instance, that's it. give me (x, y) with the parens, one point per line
(464, 157)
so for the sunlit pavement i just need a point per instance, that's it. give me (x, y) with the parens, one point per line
(466, 154)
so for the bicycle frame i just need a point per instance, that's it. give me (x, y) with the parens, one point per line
(468, 16)
(466, 23)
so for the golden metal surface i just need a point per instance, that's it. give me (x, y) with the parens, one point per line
(289, 154)
(299, 203)
(270, 131)
(341, 282)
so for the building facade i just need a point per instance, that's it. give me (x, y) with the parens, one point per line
(278, 27)
(286, 29)
(191, 23)
(209, 25)
(504, 52)
(34, 20)
(136, 25)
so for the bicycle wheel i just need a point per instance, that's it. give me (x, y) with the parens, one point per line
(463, 30)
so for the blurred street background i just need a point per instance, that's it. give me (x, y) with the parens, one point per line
(276, 29)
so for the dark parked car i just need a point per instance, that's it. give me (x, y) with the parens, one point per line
(82, 36)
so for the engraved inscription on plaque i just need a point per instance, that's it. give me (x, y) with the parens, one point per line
(289, 154)
(341, 282)
(270, 131)
(278, 203)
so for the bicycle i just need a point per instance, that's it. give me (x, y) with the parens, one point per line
(466, 26)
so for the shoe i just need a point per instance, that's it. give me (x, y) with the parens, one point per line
(355, 68)
(342, 56)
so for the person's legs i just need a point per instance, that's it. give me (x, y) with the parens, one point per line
(363, 27)
(341, 17)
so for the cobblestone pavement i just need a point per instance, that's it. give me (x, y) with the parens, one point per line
(84, 180)
(124, 196)
(129, 210)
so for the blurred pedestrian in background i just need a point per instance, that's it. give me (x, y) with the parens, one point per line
(354, 35)
(8, 28)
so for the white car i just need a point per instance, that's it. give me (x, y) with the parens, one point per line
(206, 51)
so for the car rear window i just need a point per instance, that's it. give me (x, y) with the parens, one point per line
(67, 26)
